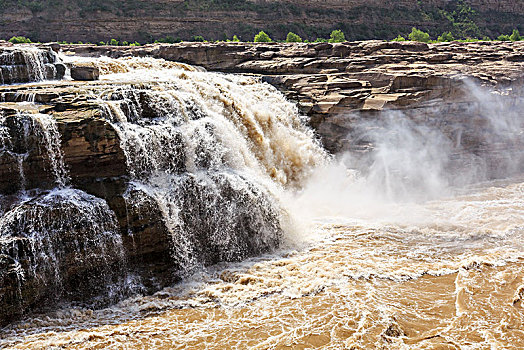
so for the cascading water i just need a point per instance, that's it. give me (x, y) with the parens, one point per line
(213, 152)
(213, 164)
(46, 236)
(207, 155)
(24, 64)
(44, 233)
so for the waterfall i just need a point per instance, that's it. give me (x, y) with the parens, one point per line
(214, 153)
(207, 160)
(62, 230)
(61, 244)
(18, 135)
(24, 64)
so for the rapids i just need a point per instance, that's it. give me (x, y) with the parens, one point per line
(342, 260)
(454, 280)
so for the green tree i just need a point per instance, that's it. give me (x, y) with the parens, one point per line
(199, 38)
(293, 38)
(235, 39)
(262, 37)
(418, 35)
(113, 42)
(337, 36)
(19, 40)
(446, 36)
(515, 36)
(503, 37)
(399, 38)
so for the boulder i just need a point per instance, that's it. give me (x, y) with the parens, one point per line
(84, 73)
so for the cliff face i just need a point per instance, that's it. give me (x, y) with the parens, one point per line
(131, 20)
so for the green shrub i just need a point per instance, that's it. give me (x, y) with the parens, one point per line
(136, 43)
(515, 36)
(19, 40)
(399, 38)
(113, 42)
(235, 39)
(446, 36)
(293, 38)
(418, 35)
(168, 40)
(321, 40)
(262, 37)
(503, 37)
(337, 36)
(198, 38)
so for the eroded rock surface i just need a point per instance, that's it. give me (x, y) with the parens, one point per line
(332, 81)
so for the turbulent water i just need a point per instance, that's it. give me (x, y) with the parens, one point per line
(368, 258)
(443, 275)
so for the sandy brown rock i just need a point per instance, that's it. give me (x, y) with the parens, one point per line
(328, 80)
(84, 73)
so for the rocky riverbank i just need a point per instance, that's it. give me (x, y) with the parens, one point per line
(335, 85)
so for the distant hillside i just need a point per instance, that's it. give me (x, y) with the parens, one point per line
(141, 20)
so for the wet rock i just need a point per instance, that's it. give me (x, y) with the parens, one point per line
(59, 246)
(84, 73)
(60, 71)
(27, 63)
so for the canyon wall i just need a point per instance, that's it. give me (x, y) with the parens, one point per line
(130, 20)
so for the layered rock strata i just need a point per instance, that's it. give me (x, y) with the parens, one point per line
(333, 81)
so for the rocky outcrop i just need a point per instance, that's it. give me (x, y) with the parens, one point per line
(84, 73)
(333, 80)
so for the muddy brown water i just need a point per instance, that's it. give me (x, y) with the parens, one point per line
(454, 280)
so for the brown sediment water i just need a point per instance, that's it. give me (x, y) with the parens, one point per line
(454, 280)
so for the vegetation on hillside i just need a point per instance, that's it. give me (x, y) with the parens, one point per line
(456, 17)
(262, 37)
(336, 36)
(293, 38)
